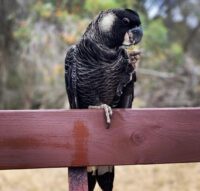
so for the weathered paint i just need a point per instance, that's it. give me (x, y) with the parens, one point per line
(66, 138)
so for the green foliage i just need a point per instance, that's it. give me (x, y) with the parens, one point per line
(127, 3)
(61, 16)
(22, 33)
(175, 53)
(176, 49)
(49, 12)
(99, 5)
(44, 10)
(158, 47)
(155, 35)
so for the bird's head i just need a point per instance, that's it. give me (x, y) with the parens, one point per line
(116, 27)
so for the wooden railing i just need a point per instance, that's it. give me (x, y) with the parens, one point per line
(73, 138)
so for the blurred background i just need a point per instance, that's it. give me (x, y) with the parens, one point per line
(34, 37)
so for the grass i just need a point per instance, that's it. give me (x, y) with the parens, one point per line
(183, 177)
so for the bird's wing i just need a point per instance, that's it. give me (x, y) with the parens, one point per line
(127, 96)
(71, 77)
(125, 90)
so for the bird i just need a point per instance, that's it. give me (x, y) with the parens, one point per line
(100, 72)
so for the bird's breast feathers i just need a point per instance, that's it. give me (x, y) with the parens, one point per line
(100, 76)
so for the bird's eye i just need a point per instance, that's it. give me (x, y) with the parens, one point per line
(126, 21)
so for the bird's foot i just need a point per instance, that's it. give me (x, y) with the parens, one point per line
(107, 110)
(134, 57)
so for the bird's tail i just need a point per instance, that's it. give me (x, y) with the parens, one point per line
(104, 175)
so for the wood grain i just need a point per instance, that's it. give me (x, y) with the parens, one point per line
(61, 138)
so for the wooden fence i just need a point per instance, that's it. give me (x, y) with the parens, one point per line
(72, 138)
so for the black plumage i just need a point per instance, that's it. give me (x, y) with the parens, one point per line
(98, 69)
(95, 75)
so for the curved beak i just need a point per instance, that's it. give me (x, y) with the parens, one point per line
(133, 36)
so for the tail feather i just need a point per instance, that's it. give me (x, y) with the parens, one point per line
(91, 181)
(104, 175)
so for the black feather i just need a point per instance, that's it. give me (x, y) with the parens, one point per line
(98, 71)
(95, 75)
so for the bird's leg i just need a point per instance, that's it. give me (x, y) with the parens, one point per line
(107, 110)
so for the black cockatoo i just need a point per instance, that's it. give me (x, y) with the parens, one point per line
(100, 73)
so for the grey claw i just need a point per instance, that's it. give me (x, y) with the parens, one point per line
(107, 110)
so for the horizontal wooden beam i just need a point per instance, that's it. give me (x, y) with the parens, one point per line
(59, 138)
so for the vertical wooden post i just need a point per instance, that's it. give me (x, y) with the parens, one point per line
(77, 179)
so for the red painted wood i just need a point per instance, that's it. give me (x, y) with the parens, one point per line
(59, 138)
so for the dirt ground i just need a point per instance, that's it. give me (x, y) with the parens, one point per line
(178, 177)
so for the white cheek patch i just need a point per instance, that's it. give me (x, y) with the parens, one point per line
(126, 41)
(107, 22)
